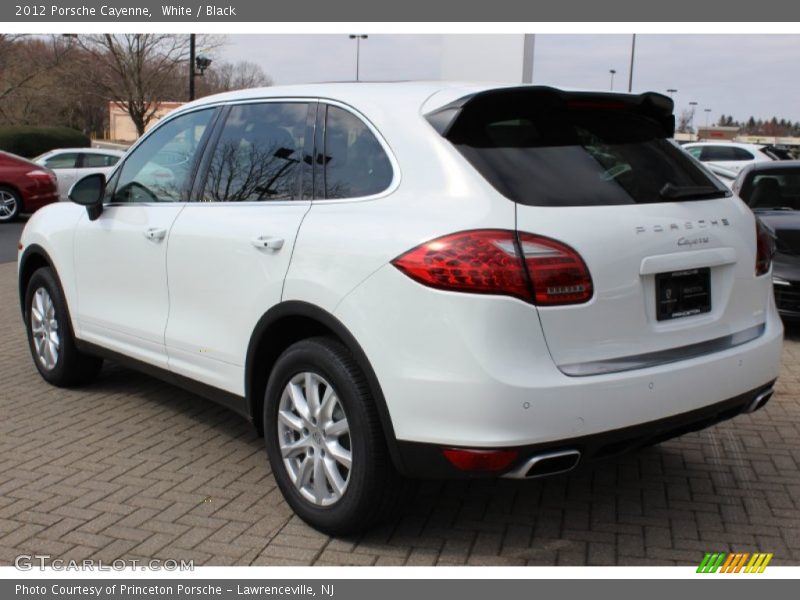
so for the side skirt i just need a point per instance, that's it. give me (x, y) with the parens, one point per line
(227, 399)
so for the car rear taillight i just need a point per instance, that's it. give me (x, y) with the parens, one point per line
(557, 272)
(765, 248)
(496, 261)
(40, 176)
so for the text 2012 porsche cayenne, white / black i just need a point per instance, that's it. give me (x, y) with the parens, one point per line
(414, 279)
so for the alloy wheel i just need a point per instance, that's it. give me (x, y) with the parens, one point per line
(45, 330)
(314, 439)
(8, 205)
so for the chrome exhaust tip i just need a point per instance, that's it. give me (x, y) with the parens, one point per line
(549, 463)
(759, 401)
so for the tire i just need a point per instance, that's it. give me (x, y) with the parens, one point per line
(10, 204)
(50, 337)
(372, 486)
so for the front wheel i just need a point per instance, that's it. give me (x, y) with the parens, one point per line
(324, 439)
(50, 337)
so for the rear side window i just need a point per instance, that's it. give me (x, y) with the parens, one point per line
(258, 154)
(355, 164)
(731, 153)
(96, 161)
(575, 157)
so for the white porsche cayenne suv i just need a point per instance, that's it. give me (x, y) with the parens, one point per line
(405, 280)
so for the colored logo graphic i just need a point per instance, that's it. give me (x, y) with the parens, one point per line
(741, 562)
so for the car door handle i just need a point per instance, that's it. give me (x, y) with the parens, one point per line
(268, 242)
(155, 234)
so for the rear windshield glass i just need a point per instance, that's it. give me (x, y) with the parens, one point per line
(563, 157)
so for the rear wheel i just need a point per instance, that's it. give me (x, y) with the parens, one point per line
(50, 337)
(10, 204)
(324, 439)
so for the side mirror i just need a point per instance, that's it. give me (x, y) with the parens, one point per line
(89, 191)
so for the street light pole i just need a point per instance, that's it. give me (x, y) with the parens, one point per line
(613, 72)
(671, 91)
(358, 38)
(630, 71)
(691, 116)
(191, 66)
(708, 112)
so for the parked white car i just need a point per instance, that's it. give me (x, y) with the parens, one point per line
(70, 164)
(733, 156)
(425, 279)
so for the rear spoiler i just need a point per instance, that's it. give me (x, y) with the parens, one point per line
(500, 100)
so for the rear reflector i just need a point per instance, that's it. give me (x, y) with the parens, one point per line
(532, 268)
(466, 459)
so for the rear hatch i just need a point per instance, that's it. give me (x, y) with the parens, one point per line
(670, 251)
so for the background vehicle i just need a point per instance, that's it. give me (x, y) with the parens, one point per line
(730, 155)
(70, 164)
(772, 190)
(415, 279)
(24, 186)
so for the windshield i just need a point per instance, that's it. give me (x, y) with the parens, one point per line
(777, 189)
(581, 157)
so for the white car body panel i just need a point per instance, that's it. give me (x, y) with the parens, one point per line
(220, 284)
(121, 277)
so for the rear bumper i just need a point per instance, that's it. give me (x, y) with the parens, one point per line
(427, 460)
(470, 371)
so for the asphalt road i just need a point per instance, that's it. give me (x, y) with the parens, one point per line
(9, 236)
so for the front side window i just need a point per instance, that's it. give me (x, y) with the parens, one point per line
(259, 154)
(159, 169)
(66, 160)
(355, 164)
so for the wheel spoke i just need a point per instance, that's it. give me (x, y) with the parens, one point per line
(312, 394)
(304, 472)
(320, 489)
(299, 401)
(295, 448)
(337, 428)
(290, 420)
(342, 455)
(333, 476)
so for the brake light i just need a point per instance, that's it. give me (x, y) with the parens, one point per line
(765, 248)
(496, 261)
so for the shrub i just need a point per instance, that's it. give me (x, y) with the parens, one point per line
(33, 141)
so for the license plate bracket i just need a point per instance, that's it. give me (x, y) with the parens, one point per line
(683, 293)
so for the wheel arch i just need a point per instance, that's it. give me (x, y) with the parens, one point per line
(35, 257)
(290, 322)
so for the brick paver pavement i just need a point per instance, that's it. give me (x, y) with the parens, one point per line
(130, 467)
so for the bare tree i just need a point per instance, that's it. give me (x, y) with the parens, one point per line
(684, 124)
(137, 71)
(224, 76)
(26, 68)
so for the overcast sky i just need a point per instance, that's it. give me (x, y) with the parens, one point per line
(739, 75)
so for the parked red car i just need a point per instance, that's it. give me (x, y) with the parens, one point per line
(24, 186)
